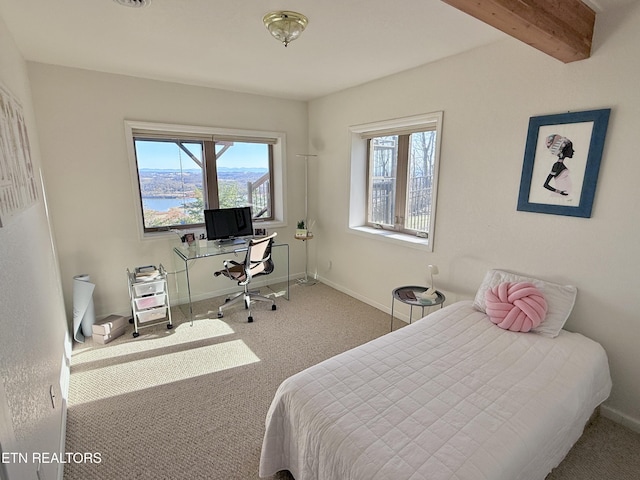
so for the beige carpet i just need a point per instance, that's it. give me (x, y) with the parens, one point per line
(190, 403)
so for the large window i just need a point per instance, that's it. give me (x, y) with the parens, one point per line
(179, 174)
(394, 176)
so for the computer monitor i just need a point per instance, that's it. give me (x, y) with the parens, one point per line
(226, 224)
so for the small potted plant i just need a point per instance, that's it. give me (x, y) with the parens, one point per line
(301, 231)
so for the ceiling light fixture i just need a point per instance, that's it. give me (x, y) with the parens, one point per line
(285, 26)
(133, 3)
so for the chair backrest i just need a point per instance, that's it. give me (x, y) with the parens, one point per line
(258, 260)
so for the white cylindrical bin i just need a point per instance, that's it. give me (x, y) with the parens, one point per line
(84, 315)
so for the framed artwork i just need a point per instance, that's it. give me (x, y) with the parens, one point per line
(18, 180)
(561, 162)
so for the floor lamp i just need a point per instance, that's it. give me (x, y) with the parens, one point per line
(306, 280)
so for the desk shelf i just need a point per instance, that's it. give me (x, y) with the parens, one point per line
(149, 297)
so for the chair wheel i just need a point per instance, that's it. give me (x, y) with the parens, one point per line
(273, 307)
(250, 319)
(169, 326)
(220, 314)
(136, 334)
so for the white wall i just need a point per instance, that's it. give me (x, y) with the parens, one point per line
(488, 96)
(32, 319)
(81, 117)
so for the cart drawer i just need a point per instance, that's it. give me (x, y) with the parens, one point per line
(148, 288)
(150, 301)
(152, 314)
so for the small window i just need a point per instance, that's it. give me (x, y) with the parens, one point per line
(394, 169)
(180, 174)
(400, 181)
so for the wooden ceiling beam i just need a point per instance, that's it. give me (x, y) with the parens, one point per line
(562, 29)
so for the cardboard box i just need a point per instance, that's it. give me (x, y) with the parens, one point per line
(109, 324)
(102, 339)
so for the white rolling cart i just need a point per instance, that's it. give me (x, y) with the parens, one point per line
(149, 297)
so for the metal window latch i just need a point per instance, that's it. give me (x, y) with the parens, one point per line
(422, 234)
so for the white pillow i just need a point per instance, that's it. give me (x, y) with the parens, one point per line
(560, 299)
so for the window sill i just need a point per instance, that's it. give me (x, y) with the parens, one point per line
(197, 231)
(388, 236)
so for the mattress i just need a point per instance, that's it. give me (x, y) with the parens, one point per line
(451, 396)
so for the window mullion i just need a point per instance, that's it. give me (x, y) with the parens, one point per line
(368, 192)
(210, 175)
(401, 181)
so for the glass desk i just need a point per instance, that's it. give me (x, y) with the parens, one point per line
(196, 252)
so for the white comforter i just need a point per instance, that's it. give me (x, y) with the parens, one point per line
(451, 396)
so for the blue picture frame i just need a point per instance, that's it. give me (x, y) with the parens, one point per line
(561, 162)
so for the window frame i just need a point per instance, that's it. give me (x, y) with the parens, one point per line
(208, 135)
(360, 162)
(402, 188)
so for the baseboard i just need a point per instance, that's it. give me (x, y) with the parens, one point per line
(65, 378)
(621, 418)
(62, 439)
(368, 301)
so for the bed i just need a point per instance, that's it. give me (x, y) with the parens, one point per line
(452, 396)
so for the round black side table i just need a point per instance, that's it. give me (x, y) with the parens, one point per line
(410, 295)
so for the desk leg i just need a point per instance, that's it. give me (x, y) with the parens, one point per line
(278, 264)
(186, 271)
(288, 275)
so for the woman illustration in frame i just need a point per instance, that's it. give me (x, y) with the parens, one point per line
(561, 147)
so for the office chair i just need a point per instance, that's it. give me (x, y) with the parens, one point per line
(257, 262)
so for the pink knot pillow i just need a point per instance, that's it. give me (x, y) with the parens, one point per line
(516, 306)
